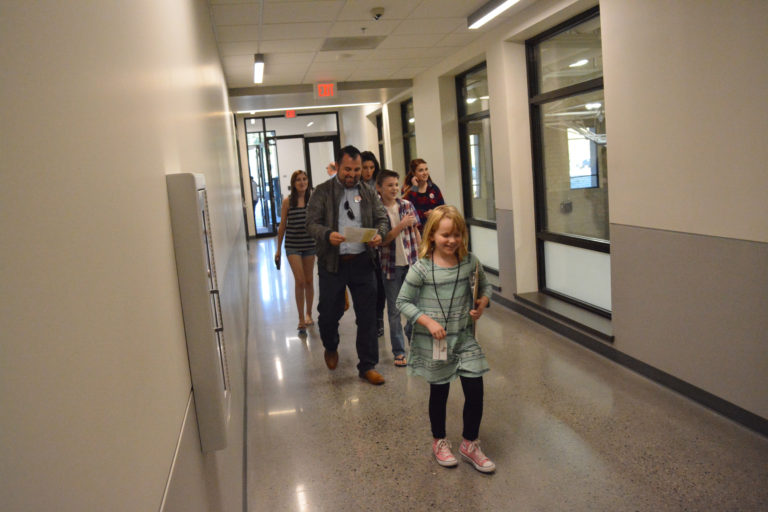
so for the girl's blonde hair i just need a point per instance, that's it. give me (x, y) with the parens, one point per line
(433, 222)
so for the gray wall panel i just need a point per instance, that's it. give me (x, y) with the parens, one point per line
(696, 307)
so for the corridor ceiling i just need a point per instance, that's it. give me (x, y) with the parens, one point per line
(306, 42)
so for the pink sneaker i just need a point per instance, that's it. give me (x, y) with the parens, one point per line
(471, 452)
(441, 448)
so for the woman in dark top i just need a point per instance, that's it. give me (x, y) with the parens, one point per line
(368, 176)
(424, 194)
(299, 246)
(370, 169)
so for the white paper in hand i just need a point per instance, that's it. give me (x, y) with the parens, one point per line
(360, 235)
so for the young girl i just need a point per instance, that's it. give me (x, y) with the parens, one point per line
(424, 194)
(299, 246)
(437, 296)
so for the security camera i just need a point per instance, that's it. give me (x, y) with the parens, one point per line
(377, 13)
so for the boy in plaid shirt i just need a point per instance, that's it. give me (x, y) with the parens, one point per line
(398, 251)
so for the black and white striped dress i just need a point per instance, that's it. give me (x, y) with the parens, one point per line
(296, 236)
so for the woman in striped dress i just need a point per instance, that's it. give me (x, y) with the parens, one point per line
(437, 296)
(299, 246)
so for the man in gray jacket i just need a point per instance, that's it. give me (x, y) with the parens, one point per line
(342, 202)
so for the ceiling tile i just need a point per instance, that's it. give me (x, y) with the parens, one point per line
(361, 9)
(291, 45)
(235, 61)
(353, 28)
(293, 12)
(399, 53)
(240, 48)
(411, 41)
(349, 55)
(418, 34)
(441, 9)
(313, 76)
(458, 39)
(295, 31)
(430, 26)
(237, 14)
(236, 33)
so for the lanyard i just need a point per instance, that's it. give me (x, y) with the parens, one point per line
(437, 295)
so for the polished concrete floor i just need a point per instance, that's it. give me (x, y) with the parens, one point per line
(567, 429)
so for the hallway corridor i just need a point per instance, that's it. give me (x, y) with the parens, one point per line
(568, 429)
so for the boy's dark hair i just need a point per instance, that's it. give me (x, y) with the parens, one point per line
(351, 151)
(384, 174)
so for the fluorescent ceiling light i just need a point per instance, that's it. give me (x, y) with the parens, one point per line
(593, 106)
(310, 124)
(471, 100)
(315, 107)
(258, 68)
(579, 63)
(488, 11)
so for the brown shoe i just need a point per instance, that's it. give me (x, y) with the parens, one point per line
(373, 377)
(331, 359)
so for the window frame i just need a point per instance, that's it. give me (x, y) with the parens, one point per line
(408, 132)
(536, 100)
(463, 120)
(380, 134)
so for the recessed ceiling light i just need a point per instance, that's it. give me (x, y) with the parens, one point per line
(310, 124)
(579, 63)
(593, 106)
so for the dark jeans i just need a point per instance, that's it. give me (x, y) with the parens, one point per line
(358, 275)
(473, 407)
(381, 298)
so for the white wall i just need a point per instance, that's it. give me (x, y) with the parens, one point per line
(687, 118)
(99, 102)
(356, 129)
(687, 122)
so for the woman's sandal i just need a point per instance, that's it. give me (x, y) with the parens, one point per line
(309, 322)
(400, 361)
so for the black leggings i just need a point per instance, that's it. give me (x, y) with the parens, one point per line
(473, 407)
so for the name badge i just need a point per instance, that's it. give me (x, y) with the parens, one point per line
(439, 349)
(358, 199)
(431, 195)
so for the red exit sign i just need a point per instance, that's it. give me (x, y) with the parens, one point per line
(325, 90)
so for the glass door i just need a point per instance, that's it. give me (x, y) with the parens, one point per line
(320, 151)
(265, 186)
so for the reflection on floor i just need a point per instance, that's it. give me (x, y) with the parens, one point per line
(567, 429)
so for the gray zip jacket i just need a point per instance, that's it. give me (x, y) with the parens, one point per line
(323, 219)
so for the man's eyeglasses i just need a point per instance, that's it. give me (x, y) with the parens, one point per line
(349, 210)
